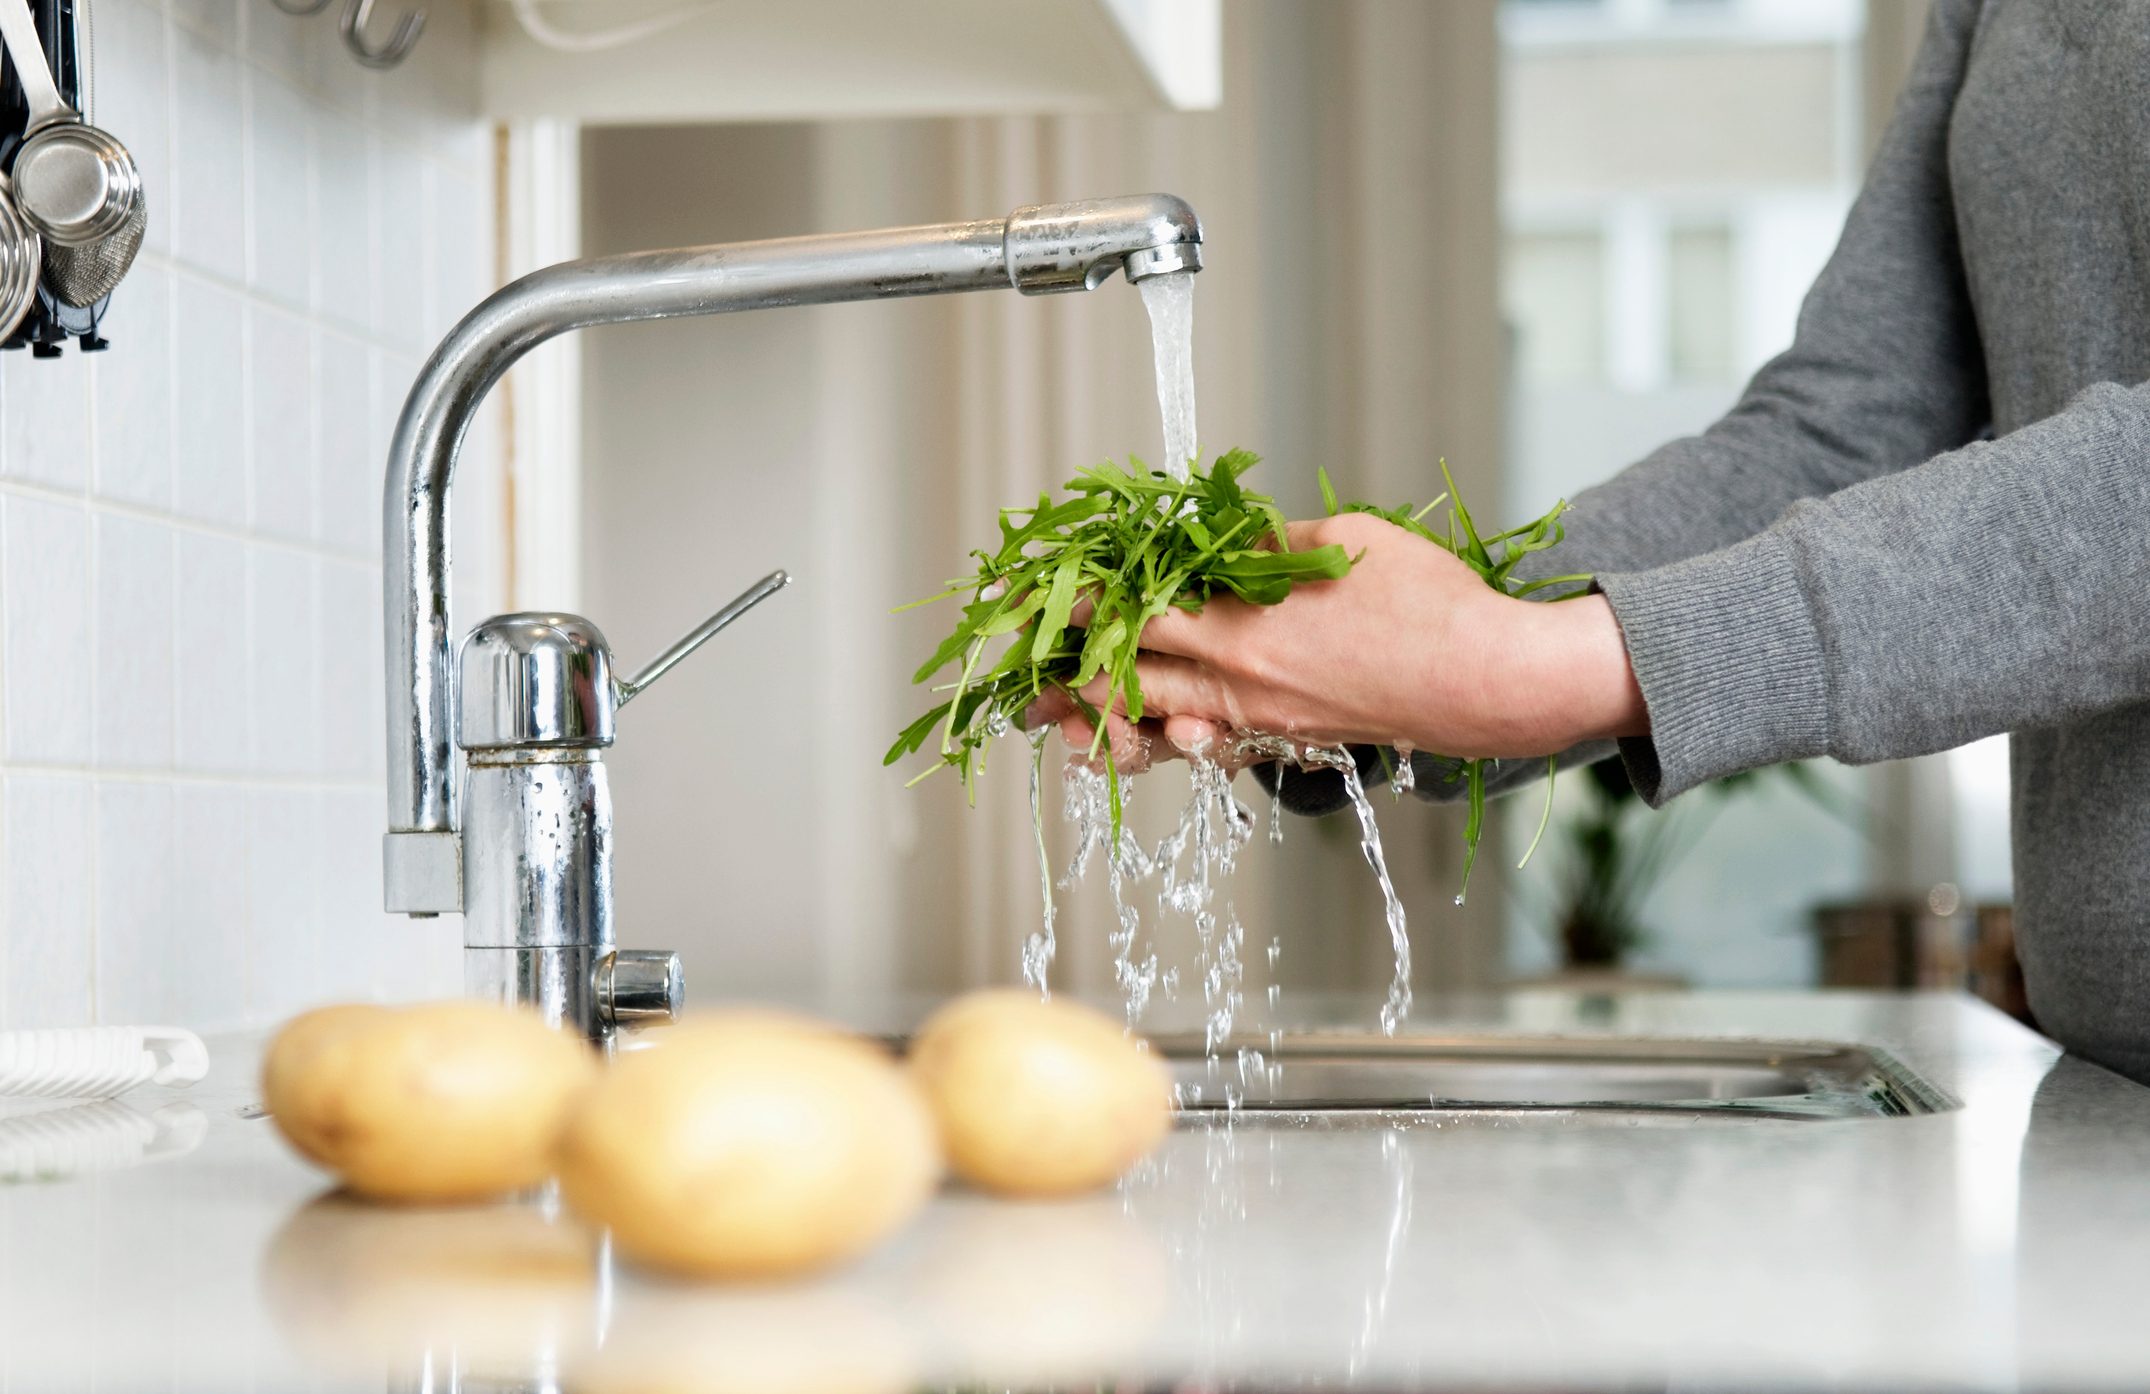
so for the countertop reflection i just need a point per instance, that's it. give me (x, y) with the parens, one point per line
(1990, 1247)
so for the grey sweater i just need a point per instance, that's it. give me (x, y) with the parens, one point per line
(1929, 520)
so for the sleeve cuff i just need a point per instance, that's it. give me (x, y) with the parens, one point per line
(1730, 663)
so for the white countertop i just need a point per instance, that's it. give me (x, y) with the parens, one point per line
(2001, 1246)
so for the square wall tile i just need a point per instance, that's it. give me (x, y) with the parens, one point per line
(287, 681)
(307, 52)
(351, 735)
(213, 709)
(209, 452)
(282, 43)
(46, 439)
(283, 903)
(354, 951)
(280, 402)
(344, 171)
(351, 471)
(134, 392)
(133, 101)
(134, 687)
(45, 879)
(208, 157)
(280, 135)
(478, 543)
(138, 950)
(462, 231)
(208, 905)
(45, 626)
(431, 90)
(407, 231)
(216, 20)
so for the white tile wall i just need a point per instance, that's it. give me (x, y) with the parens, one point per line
(190, 728)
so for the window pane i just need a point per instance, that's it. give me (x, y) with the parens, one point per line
(1699, 288)
(1555, 302)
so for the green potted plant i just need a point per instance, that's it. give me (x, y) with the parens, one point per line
(1617, 850)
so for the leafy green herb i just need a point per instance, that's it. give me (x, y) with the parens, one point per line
(1494, 559)
(1136, 542)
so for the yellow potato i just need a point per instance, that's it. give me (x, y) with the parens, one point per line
(1039, 1098)
(750, 1146)
(444, 1102)
(289, 1064)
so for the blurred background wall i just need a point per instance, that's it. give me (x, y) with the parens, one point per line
(1536, 237)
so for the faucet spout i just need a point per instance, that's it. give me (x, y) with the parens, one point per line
(1057, 247)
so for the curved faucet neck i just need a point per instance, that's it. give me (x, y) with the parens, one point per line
(1057, 247)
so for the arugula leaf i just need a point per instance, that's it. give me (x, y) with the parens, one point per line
(1135, 542)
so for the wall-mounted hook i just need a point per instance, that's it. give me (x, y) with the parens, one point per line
(302, 8)
(355, 15)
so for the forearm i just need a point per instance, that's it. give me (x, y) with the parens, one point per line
(1560, 671)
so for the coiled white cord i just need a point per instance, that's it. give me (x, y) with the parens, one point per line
(97, 1062)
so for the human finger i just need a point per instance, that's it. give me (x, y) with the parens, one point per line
(1053, 706)
(1132, 746)
(1172, 686)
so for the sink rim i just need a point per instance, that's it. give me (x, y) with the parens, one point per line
(1878, 1084)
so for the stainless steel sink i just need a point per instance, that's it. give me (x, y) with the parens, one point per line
(1358, 1074)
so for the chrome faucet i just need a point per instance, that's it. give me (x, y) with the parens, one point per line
(529, 861)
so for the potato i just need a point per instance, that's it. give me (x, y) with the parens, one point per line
(444, 1102)
(289, 1063)
(1039, 1098)
(750, 1146)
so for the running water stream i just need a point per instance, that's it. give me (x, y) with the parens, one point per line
(1170, 301)
(1398, 1005)
(1191, 864)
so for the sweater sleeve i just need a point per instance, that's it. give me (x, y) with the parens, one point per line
(1994, 588)
(1885, 372)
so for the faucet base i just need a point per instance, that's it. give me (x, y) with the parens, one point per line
(559, 983)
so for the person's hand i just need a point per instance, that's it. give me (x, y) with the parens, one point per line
(1410, 648)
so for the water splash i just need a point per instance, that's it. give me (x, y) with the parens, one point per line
(1189, 868)
(1087, 804)
(1202, 850)
(1398, 1005)
(1170, 301)
(1042, 946)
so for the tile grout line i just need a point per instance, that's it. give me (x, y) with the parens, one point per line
(255, 298)
(137, 774)
(93, 530)
(135, 512)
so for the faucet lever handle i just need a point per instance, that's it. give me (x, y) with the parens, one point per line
(753, 595)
